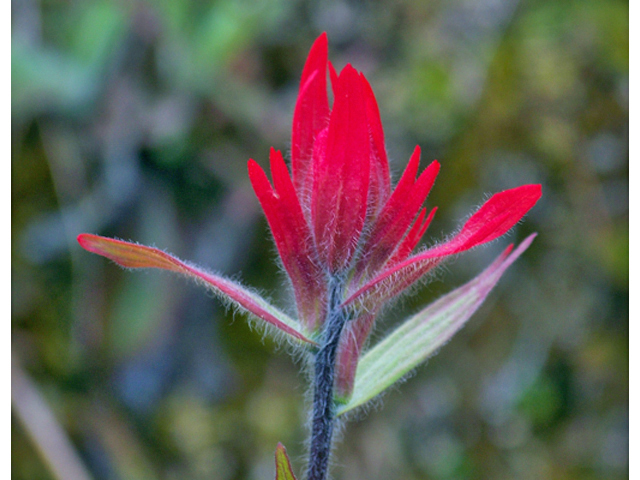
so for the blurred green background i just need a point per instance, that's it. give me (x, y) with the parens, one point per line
(136, 119)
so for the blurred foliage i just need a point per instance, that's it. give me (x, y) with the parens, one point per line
(136, 119)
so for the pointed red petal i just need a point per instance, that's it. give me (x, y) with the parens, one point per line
(311, 113)
(412, 238)
(393, 233)
(406, 181)
(131, 255)
(379, 187)
(496, 217)
(333, 76)
(341, 179)
(260, 183)
(306, 275)
(292, 237)
(397, 214)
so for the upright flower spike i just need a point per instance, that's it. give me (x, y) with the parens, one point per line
(346, 240)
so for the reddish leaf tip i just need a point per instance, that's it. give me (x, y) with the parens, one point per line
(283, 465)
(82, 239)
(91, 242)
(87, 241)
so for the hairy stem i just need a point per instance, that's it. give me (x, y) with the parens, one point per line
(323, 419)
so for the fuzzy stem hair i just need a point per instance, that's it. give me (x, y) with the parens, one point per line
(324, 409)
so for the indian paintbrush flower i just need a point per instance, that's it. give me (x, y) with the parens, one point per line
(346, 240)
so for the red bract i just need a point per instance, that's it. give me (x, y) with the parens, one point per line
(345, 223)
(359, 229)
(345, 237)
(341, 175)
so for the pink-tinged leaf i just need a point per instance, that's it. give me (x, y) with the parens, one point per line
(311, 112)
(496, 217)
(131, 255)
(397, 214)
(352, 342)
(292, 237)
(379, 185)
(341, 178)
(424, 333)
(283, 465)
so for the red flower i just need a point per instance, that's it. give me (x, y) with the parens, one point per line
(336, 220)
(338, 217)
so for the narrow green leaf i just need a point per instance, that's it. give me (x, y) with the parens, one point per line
(283, 465)
(422, 334)
(132, 255)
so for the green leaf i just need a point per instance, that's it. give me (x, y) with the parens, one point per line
(283, 465)
(422, 334)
